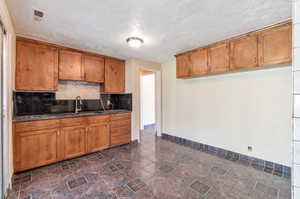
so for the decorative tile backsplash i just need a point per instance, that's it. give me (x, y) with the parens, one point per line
(264, 165)
(69, 90)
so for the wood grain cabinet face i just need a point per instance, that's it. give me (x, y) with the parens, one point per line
(70, 65)
(74, 141)
(97, 137)
(114, 76)
(93, 69)
(120, 131)
(35, 148)
(199, 64)
(40, 143)
(275, 45)
(244, 52)
(183, 68)
(36, 67)
(218, 57)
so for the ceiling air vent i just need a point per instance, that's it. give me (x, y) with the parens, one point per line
(38, 15)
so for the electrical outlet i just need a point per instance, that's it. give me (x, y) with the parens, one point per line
(249, 148)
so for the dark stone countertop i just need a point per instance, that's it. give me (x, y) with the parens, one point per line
(28, 118)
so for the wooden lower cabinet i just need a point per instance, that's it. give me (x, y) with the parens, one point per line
(34, 148)
(120, 129)
(74, 141)
(97, 137)
(44, 142)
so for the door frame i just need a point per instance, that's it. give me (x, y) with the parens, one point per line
(4, 93)
(158, 101)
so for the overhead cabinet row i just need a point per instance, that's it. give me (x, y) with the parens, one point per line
(272, 45)
(40, 66)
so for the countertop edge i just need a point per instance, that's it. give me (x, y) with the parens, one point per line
(17, 119)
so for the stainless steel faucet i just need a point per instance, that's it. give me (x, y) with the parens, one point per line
(78, 104)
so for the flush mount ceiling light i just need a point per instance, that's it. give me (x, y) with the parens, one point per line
(135, 42)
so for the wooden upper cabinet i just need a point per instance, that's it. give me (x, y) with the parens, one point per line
(198, 62)
(36, 67)
(218, 57)
(182, 65)
(244, 52)
(192, 63)
(275, 45)
(93, 68)
(114, 76)
(70, 65)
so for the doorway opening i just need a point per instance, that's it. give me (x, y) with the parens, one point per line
(148, 105)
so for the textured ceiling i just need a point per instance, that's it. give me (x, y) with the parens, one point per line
(167, 26)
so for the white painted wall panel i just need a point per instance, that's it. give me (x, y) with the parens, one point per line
(232, 111)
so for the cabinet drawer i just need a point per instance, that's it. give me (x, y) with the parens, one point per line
(121, 116)
(119, 140)
(36, 125)
(73, 122)
(121, 123)
(120, 131)
(98, 119)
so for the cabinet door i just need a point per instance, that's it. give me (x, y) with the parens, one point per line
(243, 52)
(198, 61)
(70, 65)
(93, 69)
(36, 67)
(218, 57)
(35, 148)
(74, 141)
(183, 66)
(114, 76)
(97, 137)
(275, 45)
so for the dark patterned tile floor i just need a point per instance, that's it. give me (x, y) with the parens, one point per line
(154, 169)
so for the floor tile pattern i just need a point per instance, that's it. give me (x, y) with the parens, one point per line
(266, 166)
(154, 169)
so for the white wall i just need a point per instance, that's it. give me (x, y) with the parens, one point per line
(9, 84)
(232, 111)
(148, 99)
(296, 92)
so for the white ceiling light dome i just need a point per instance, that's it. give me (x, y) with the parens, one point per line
(135, 42)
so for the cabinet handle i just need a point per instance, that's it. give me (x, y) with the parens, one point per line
(255, 59)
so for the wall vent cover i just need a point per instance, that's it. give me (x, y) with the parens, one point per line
(38, 15)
